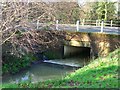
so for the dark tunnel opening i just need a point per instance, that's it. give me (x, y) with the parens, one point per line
(75, 51)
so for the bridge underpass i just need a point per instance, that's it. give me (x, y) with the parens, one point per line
(75, 48)
(75, 51)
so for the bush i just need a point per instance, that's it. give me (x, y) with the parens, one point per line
(13, 64)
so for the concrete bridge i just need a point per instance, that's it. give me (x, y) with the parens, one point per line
(97, 46)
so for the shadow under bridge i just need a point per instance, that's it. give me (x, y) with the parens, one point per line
(74, 48)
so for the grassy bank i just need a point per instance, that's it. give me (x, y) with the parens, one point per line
(100, 73)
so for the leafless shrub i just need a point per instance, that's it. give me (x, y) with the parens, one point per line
(18, 17)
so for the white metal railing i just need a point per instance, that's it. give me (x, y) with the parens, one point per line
(98, 23)
(110, 23)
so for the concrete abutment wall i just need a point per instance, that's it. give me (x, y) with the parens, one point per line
(101, 44)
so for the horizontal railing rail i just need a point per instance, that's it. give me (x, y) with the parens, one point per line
(79, 23)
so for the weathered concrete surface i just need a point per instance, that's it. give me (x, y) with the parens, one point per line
(78, 43)
(101, 44)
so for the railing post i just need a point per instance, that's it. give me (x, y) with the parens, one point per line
(83, 22)
(96, 22)
(37, 24)
(111, 23)
(77, 25)
(102, 24)
(57, 24)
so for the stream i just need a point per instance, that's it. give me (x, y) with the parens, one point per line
(47, 70)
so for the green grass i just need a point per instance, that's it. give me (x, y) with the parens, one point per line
(100, 73)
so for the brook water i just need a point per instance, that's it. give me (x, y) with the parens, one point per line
(49, 69)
